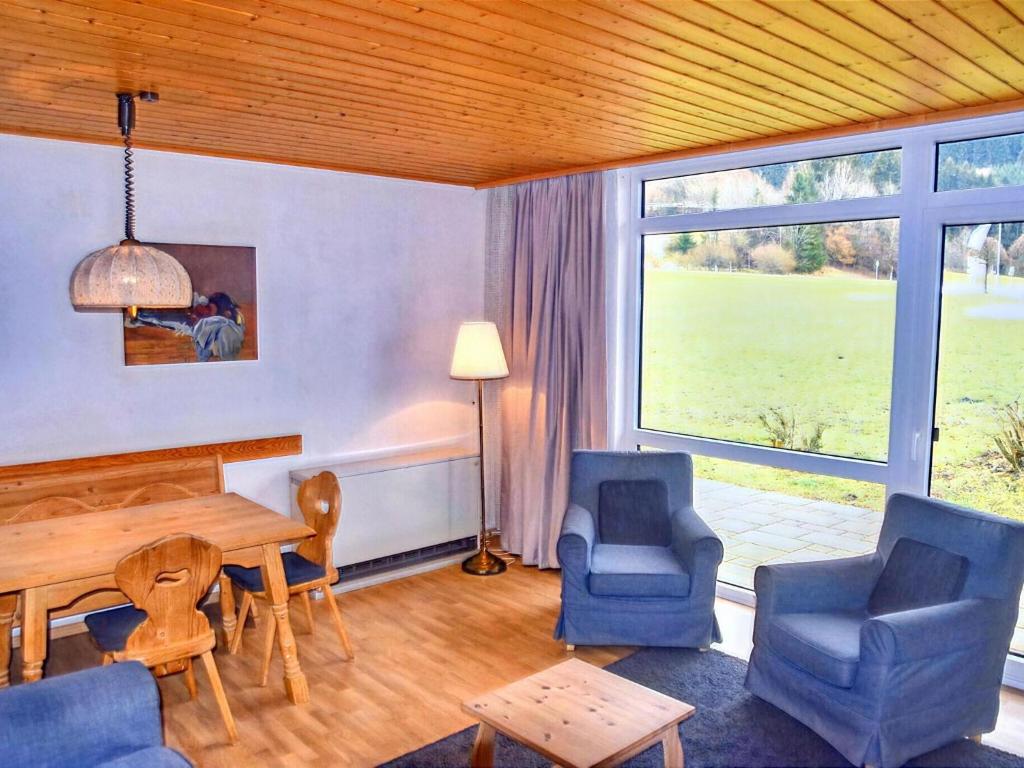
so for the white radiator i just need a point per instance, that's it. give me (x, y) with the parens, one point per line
(401, 503)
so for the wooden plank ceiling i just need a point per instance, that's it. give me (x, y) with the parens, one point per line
(474, 91)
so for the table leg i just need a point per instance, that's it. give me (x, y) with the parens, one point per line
(8, 606)
(673, 748)
(227, 609)
(33, 633)
(483, 748)
(276, 587)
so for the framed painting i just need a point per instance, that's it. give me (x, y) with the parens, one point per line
(222, 323)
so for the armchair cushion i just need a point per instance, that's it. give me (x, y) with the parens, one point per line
(917, 575)
(826, 645)
(634, 512)
(624, 570)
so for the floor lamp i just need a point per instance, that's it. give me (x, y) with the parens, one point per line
(478, 357)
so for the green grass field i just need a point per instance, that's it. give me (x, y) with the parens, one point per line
(720, 349)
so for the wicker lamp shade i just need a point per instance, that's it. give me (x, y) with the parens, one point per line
(130, 274)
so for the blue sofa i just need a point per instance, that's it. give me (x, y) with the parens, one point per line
(639, 567)
(106, 716)
(893, 654)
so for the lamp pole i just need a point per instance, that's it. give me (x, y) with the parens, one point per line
(483, 563)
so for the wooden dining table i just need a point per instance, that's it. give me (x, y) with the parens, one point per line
(53, 563)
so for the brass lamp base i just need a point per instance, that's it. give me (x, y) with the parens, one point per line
(483, 563)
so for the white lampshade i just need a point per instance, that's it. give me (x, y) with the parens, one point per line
(478, 353)
(130, 275)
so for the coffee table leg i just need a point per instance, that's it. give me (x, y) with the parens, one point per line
(673, 748)
(483, 748)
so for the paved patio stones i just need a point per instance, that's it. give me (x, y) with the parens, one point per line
(762, 527)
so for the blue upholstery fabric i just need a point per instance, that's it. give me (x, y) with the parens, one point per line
(910, 663)
(827, 645)
(623, 570)
(656, 607)
(85, 719)
(297, 570)
(916, 575)
(152, 757)
(110, 629)
(634, 512)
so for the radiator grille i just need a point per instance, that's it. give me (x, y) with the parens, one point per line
(405, 559)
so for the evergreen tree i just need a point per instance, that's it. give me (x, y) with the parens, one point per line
(682, 243)
(804, 189)
(811, 253)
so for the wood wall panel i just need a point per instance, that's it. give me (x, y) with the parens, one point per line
(480, 91)
(229, 452)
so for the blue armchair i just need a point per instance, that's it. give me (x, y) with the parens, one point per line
(638, 566)
(106, 716)
(890, 655)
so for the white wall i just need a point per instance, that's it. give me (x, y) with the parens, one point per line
(362, 284)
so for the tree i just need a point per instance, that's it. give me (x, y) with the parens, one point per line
(804, 189)
(885, 172)
(809, 242)
(1016, 254)
(839, 247)
(773, 259)
(681, 243)
(713, 254)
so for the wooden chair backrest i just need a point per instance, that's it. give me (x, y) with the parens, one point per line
(320, 502)
(45, 495)
(167, 579)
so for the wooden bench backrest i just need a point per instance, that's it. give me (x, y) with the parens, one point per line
(41, 495)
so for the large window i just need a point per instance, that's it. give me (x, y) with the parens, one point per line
(781, 322)
(778, 336)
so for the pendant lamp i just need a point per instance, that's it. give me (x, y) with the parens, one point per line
(130, 275)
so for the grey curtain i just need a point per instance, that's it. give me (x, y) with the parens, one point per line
(546, 291)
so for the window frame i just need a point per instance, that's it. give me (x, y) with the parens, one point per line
(921, 211)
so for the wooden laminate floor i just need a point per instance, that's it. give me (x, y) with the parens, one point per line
(423, 644)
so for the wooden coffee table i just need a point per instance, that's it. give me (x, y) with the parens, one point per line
(579, 716)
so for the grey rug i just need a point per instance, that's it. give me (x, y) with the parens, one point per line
(731, 729)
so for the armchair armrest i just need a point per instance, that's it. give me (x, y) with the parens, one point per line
(936, 630)
(826, 585)
(82, 718)
(576, 542)
(695, 544)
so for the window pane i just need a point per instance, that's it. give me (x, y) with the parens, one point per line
(870, 174)
(994, 162)
(776, 336)
(978, 460)
(769, 515)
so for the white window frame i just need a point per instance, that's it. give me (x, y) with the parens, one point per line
(922, 213)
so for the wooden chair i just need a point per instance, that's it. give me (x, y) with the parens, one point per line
(80, 486)
(309, 567)
(163, 627)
